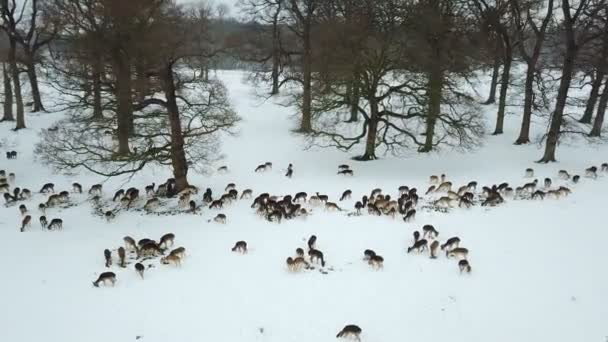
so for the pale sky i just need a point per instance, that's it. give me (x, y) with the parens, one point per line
(231, 3)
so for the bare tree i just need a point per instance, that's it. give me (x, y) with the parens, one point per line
(531, 34)
(494, 16)
(301, 20)
(578, 27)
(269, 13)
(395, 92)
(12, 15)
(178, 128)
(597, 55)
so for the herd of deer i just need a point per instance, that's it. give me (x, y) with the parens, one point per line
(145, 249)
(278, 208)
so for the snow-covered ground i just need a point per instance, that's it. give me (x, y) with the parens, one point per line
(539, 267)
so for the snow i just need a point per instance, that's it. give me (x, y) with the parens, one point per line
(538, 266)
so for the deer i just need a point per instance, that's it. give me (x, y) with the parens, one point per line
(26, 222)
(139, 268)
(376, 262)
(43, 222)
(451, 243)
(346, 195)
(418, 246)
(130, 244)
(289, 173)
(240, 247)
(122, 256)
(350, 331)
(368, 254)
(458, 252)
(464, 266)
(108, 257)
(47, 188)
(247, 193)
(166, 240)
(105, 277)
(529, 173)
(171, 259)
(296, 264)
(317, 255)
(429, 231)
(220, 218)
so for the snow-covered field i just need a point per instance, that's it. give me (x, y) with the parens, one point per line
(539, 267)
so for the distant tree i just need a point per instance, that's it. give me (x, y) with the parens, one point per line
(494, 16)
(270, 14)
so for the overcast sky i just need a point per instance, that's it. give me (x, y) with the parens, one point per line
(231, 3)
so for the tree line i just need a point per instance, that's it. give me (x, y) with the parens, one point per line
(399, 67)
(390, 75)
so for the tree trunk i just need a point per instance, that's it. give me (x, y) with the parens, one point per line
(306, 123)
(435, 85)
(96, 75)
(493, 85)
(12, 60)
(276, 57)
(141, 81)
(354, 102)
(8, 96)
(33, 77)
(524, 133)
(372, 131)
(596, 131)
(593, 96)
(124, 111)
(504, 86)
(560, 105)
(178, 155)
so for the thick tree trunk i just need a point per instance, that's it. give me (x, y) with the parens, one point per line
(33, 77)
(504, 86)
(596, 131)
(593, 96)
(372, 131)
(560, 105)
(124, 111)
(524, 133)
(435, 85)
(8, 96)
(96, 75)
(306, 123)
(493, 85)
(12, 60)
(178, 155)
(276, 58)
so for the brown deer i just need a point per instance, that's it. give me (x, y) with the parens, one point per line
(105, 277)
(376, 262)
(433, 249)
(122, 255)
(27, 222)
